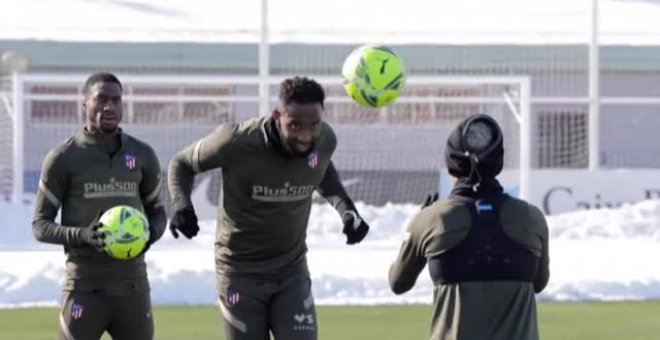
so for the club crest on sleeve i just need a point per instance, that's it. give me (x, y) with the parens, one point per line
(233, 298)
(76, 311)
(313, 159)
(130, 161)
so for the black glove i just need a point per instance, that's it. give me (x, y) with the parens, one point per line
(185, 221)
(430, 199)
(92, 236)
(355, 227)
(149, 242)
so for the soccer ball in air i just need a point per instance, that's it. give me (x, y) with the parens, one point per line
(374, 75)
(126, 232)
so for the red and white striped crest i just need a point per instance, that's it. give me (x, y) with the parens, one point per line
(313, 159)
(233, 298)
(76, 311)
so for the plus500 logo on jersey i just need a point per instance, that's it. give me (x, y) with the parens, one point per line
(285, 193)
(110, 189)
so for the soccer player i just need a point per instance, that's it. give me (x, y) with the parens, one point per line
(270, 166)
(98, 168)
(487, 252)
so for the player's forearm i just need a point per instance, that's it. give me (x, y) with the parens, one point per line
(407, 267)
(180, 180)
(543, 275)
(157, 221)
(541, 281)
(44, 228)
(50, 232)
(334, 192)
(400, 282)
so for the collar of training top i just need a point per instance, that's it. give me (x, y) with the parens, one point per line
(88, 138)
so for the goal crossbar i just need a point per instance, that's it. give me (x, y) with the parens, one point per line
(519, 103)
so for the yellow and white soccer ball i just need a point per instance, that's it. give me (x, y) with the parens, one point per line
(126, 232)
(374, 76)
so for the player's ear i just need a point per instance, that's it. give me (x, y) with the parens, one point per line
(276, 114)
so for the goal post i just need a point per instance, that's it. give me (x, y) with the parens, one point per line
(507, 98)
(393, 154)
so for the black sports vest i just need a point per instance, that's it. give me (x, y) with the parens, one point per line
(487, 253)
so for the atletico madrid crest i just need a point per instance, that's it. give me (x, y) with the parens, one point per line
(233, 298)
(313, 159)
(77, 311)
(131, 161)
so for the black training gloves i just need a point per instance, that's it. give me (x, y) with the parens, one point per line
(355, 227)
(185, 221)
(149, 242)
(92, 236)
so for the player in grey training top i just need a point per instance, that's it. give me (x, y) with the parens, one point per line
(97, 169)
(487, 252)
(270, 166)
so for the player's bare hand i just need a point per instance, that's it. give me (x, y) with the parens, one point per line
(184, 221)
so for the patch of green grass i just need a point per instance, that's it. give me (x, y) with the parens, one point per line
(600, 320)
(558, 321)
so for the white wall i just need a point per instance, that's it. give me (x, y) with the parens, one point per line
(558, 191)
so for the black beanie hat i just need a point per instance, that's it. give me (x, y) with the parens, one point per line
(473, 152)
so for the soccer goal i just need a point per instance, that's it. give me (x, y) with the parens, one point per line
(393, 154)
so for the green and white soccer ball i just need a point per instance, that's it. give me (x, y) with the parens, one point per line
(374, 76)
(126, 232)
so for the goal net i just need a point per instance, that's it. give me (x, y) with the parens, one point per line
(388, 155)
(396, 154)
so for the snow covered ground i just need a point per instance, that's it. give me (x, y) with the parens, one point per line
(595, 255)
